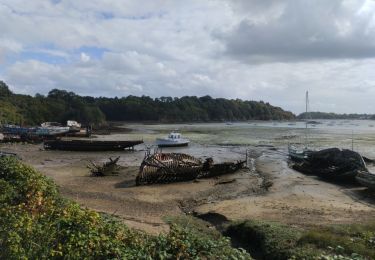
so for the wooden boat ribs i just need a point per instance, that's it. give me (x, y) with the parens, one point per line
(175, 167)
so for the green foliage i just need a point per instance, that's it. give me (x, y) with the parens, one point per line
(346, 240)
(276, 241)
(36, 223)
(324, 115)
(273, 240)
(61, 105)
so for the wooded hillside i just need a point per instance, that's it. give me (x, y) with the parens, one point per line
(61, 105)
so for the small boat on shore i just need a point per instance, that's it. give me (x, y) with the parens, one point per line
(298, 154)
(174, 139)
(90, 145)
(74, 126)
(16, 130)
(46, 129)
(51, 130)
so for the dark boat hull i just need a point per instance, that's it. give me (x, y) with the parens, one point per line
(173, 145)
(332, 164)
(89, 145)
(367, 179)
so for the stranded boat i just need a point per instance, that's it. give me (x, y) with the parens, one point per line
(44, 130)
(298, 154)
(90, 145)
(301, 153)
(173, 140)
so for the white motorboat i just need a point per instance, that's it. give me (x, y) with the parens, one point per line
(174, 139)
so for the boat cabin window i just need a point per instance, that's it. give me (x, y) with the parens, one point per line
(174, 136)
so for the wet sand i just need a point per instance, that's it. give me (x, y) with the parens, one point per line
(294, 198)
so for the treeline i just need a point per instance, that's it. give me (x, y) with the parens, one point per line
(323, 115)
(61, 105)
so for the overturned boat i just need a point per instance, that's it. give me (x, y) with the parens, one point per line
(90, 145)
(332, 163)
(176, 167)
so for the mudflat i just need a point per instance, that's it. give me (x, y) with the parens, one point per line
(289, 197)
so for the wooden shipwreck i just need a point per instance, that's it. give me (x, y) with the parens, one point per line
(175, 167)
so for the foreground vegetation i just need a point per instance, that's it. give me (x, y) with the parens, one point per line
(61, 105)
(37, 223)
(270, 240)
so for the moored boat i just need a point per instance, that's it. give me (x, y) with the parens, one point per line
(298, 154)
(90, 145)
(174, 139)
(301, 153)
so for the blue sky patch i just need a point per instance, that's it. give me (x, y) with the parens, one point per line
(43, 56)
(93, 52)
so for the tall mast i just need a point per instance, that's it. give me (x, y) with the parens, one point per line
(306, 117)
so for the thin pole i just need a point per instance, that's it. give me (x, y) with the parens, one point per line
(352, 140)
(307, 101)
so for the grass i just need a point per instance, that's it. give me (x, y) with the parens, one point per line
(277, 241)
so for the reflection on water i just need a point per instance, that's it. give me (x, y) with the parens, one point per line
(324, 133)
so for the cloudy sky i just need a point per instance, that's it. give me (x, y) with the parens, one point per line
(269, 50)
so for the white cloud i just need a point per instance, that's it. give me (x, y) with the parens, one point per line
(85, 57)
(260, 50)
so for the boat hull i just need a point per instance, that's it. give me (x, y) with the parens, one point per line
(366, 179)
(89, 145)
(171, 143)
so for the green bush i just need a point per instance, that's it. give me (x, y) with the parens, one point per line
(348, 240)
(277, 241)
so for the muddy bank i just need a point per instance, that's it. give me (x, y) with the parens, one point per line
(297, 199)
(273, 192)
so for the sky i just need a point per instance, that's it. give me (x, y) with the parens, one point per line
(270, 50)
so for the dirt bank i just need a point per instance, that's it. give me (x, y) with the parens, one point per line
(298, 199)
